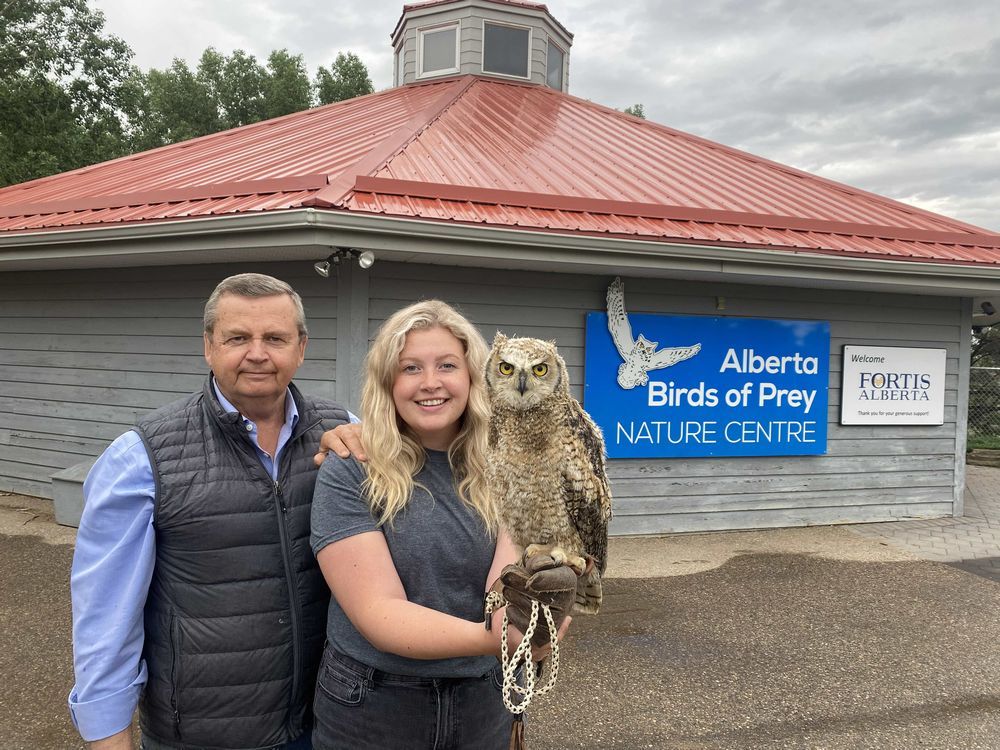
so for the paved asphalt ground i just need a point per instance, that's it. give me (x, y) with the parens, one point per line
(832, 638)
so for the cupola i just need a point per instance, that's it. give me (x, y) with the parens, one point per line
(509, 39)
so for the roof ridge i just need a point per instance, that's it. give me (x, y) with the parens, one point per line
(574, 203)
(339, 187)
(231, 189)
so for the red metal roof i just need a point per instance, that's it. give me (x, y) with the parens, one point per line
(482, 151)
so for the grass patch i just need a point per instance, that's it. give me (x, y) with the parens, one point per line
(989, 442)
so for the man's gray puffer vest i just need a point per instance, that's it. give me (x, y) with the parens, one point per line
(235, 619)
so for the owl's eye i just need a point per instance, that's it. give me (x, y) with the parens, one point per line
(540, 370)
(506, 368)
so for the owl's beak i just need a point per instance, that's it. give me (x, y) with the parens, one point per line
(522, 383)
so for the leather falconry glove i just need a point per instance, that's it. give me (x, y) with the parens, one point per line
(542, 579)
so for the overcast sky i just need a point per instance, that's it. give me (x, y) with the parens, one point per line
(898, 97)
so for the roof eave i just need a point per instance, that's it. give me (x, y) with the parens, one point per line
(308, 234)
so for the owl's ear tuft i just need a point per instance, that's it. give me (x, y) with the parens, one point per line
(499, 339)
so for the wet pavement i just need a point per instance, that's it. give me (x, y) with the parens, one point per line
(35, 650)
(818, 638)
(784, 651)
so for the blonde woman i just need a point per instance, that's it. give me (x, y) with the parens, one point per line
(409, 542)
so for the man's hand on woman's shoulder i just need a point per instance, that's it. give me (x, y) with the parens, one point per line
(344, 440)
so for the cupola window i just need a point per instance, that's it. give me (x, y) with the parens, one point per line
(554, 67)
(438, 50)
(513, 39)
(505, 49)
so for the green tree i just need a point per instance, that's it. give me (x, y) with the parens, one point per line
(178, 106)
(211, 74)
(636, 110)
(65, 89)
(69, 95)
(224, 92)
(286, 88)
(984, 389)
(986, 346)
(346, 78)
(242, 94)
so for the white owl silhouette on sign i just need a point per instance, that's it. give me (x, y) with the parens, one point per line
(640, 355)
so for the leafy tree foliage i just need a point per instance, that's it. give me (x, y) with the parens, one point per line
(984, 389)
(241, 88)
(636, 110)
(223, 92)
(69, 95)
(346, 78)
(179, 106)
(986, 347)
(65, 87)
(287, 86)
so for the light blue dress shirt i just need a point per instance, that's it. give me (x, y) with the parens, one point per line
(112, 570)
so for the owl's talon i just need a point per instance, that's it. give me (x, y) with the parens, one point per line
(578, 564)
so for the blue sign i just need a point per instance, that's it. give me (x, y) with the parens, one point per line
(705, 386)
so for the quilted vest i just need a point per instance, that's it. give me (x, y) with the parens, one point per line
(235, 619)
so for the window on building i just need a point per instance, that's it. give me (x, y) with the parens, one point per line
(505, 49)
(554, 67)
(438, 50)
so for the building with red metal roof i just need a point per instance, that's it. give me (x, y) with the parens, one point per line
(487, 153)
(501, 192)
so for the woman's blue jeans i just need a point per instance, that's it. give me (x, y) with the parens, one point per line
(358, 707)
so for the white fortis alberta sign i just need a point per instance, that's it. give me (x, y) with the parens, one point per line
(892, 385)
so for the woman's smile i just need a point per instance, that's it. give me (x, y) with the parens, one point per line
(431, 388)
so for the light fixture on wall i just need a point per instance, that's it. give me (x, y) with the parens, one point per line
(985, 313)
(366, 259)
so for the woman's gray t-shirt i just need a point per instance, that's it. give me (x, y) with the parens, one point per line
(439, 546)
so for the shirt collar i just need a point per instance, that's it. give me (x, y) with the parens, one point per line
(291, 410)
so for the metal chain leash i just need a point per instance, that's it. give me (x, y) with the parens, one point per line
(510, 663)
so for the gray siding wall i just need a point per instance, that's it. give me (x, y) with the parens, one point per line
(83, 354)
(870, 473)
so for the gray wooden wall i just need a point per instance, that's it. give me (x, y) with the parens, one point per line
(84, 353)
(868, 474)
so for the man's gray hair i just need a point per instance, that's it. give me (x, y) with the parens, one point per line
(253, 285)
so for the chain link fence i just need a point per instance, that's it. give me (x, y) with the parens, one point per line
(984, 402)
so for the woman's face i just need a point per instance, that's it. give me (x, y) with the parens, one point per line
(431, 387)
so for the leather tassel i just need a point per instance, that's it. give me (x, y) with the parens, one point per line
(517, 741)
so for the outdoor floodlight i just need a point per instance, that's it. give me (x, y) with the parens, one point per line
(366, 259)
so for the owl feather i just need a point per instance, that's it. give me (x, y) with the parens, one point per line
(547, 462)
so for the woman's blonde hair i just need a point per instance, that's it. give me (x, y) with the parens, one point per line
(395, 455)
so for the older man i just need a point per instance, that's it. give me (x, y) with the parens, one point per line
(195, 593)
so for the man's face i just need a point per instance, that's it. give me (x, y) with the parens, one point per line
(255, 348)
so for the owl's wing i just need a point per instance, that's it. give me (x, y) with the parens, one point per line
(666, 357)
(588, 503)
(618, 325)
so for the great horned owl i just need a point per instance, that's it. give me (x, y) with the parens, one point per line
(639, 355)
(546, 462)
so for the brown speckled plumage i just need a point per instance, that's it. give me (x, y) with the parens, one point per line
(546, 459)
